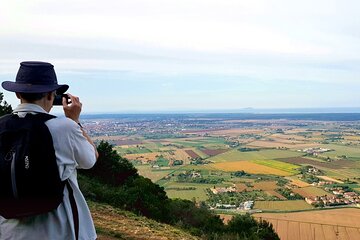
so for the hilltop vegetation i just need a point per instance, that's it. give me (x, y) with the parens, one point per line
(115, 181)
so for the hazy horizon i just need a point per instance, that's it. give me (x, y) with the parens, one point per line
(232, 111)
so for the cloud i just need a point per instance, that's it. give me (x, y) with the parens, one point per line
(218, 48)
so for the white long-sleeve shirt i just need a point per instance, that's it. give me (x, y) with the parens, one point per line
(72, 151)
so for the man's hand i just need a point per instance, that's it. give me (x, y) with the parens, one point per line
(73, 109)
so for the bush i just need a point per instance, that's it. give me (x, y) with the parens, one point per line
(110, 168)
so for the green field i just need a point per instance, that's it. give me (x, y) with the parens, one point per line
(343, 174)
(287, 167)
(236, 155)
(200, 153)
(199, 193)
(209, 142)
(342, 150)
(154, 175)
(132, 150)
(293, 205)
(153, 146)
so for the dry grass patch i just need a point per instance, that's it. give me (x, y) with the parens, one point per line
(240, 187)
(276, 194)
(269, 185)
(143, 157)
(111, 222)
(326, 178)
(307, 192)
(297, 182)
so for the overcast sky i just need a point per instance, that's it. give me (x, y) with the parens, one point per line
(175, 55)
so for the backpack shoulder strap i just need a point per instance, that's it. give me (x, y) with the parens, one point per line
(73, 209)
(40, 116)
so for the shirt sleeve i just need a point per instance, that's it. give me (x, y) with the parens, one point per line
(72, 150)
(84, 152)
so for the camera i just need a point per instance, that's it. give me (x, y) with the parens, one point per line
(58, 99)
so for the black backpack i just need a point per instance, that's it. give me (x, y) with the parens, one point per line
(29, 176)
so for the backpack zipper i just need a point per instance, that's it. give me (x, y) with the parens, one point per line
(13, 176)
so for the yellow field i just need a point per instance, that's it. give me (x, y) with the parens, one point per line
(297, 182)
(181, 155)
(248, 167)
(144, 157)
(326, 178)
(268, 185)
(337, 224)
(289, 137)
(352, 138)
(290, 205)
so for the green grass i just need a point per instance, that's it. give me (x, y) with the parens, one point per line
(153, 146)
(206, 142)
(162, 162)
(199, 193)
(342, 150)
(342, 173)
(154, 175)
(132, 150)
(287, 167)
(199, 152)
(236, 155)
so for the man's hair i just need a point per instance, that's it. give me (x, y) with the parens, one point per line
(32, 97)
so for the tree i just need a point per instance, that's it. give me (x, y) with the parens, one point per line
(5, 108)
(249, 228)
(110, 168)
(142, 196)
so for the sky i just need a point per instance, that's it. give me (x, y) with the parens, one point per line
(189, 55)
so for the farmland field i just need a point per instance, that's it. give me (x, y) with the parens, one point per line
(294, 180)
(291, 205)
(307, 192)
(236, 155)
(276, 194)
(342, 150)
(341, 224)
(268, 185)
(146, 171)
(248, 167)
(273, 144)
(257, 157)
(182, 190)
(287, 167)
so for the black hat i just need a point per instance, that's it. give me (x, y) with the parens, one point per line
(35, 77)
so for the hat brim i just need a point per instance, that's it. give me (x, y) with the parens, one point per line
(33, 88)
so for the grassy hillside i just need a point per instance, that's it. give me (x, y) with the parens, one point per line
(112, 223)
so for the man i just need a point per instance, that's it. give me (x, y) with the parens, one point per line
(36, 86)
